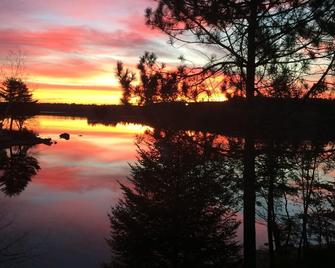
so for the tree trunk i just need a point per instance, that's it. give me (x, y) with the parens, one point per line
(249, 200)
(11, 124)
(289, 227)
(249, 177)
(270, 220)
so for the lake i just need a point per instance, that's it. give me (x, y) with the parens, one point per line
(64, 208)
(185, 193)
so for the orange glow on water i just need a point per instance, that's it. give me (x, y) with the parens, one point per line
(99, 152)
(52, 124)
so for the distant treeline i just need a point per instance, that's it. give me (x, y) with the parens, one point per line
(272, 116)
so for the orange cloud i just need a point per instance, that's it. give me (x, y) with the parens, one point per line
(74, 68)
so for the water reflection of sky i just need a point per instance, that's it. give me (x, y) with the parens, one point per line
(66, 204)
(64, 208)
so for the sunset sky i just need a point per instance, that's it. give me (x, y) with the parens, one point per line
(70, 48)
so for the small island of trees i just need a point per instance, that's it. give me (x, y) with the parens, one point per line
(17, 106)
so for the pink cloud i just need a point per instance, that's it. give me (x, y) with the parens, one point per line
(70, 39)
(67, 47)
(79, 38)
(136, 22)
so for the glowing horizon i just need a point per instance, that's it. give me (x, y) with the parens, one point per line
(70, 49)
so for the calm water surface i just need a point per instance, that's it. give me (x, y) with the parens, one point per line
(183, 206)
(63, 210)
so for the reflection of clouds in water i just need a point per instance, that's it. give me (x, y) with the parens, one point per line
(78, 168)
(89, 161)
(77, 183)
(76, 179)
(93, 149)
(70, 197)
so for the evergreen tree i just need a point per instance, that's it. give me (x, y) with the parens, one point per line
(180, 209)
(15, 93)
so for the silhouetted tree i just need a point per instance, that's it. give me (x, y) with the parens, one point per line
(14, 90)
(157, 83)
(15, 93)
(125, 79)
(273, 42)
(260, 44)
(180, 208)
(150, 76)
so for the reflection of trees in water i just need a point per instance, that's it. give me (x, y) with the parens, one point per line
(180, 209)
(296, 185)
(15, 121)
(16, 169)
(185, 185)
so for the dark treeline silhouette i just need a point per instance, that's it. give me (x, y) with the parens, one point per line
(179, 210)
(17, 168)
(275, 116)
(272, 117)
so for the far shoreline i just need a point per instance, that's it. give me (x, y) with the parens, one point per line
(273, 117)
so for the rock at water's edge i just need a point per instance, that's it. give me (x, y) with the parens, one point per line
(65, 136)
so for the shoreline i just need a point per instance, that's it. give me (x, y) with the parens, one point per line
(272, 118)
(16, 138)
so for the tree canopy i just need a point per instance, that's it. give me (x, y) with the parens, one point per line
(277, 48)
(285, 48)
(15, 93)
(157, 83)
(14, 90)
